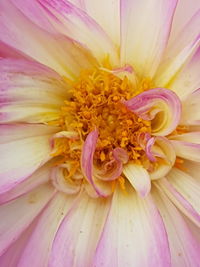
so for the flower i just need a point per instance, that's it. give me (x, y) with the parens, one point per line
(100, 134)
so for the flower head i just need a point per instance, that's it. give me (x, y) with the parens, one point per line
(100, 135)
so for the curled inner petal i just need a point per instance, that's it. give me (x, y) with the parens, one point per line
(161, 106)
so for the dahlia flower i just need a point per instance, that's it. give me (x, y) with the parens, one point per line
(99, 133)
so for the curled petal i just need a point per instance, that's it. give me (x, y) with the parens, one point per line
(160, 151)
(159, 105)
(64, 134)
(89, 146)
(138, 177)
(68, 186)
(112, 169)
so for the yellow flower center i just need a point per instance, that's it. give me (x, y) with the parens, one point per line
(95, 102)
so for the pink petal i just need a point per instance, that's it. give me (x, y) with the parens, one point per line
(54, 50)
(40, 176)
(180, 51)
(160, 105)
(19, 214)
(101, 187)
(145, 30)
(184, 246)
(79, 233)
(138, 177)
(132, 220)
(183, 190)
(38, 249)
(76, 24)
(12, 255)
(120, 157)
(27, 91)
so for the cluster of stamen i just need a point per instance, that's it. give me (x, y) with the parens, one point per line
(95, 102)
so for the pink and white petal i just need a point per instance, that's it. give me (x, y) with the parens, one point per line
(40, 176)
(184, 246)
(138, 177)
(184, 12)
(56, 51)
(191, 109)
(179, 52)
(107, 14)
(76, 24)
(13, 132)
(38, 249)
(7, 51)
(187, 150)
(132, 220)
(113, 168)
(12, 255)
(21, 158)
(160, 150)
(102, 188)
(144, 37)
(19, 214)
(28, 91)
(79, 233)
(183, 191)
(187, 80)
(62, 184)
(159, 105)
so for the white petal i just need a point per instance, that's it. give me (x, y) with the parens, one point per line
(76, 239)
(134, 234)
(138, 177)
(21, 158)
(145, 27)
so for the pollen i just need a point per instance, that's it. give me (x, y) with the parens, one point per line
(96, 102)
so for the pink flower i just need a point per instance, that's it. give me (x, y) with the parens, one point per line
(100, 133)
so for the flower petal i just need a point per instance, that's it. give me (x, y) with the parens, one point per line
(183, 191)
(145, 28)
(19, 214)
(138, 177)
(160, 105)
(160, 150)
(37, 249)
(179, 52)
(79, 233)
(29, 92)
(62, 184)
(109, 20)
(188, 79)
(31, 152)
(76, 24)
(184, 246)
(102, 188)
(132, 220)
(39, 177)
(187, 145)
(54, 50)
(112, 169)
(191, 109)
